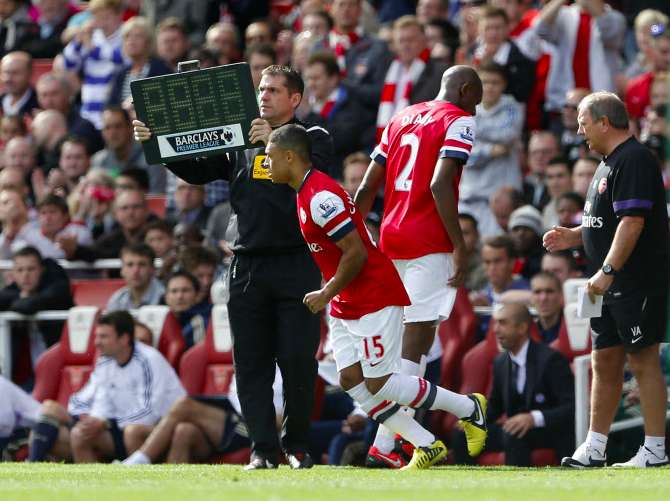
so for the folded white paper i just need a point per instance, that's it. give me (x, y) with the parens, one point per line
(585, 308)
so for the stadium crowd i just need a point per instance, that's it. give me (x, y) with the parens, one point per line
(75, 186)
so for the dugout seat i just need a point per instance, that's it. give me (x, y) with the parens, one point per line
(570, 287)
(165, 331)
(457, 334)
(574, 337)
(157, 204)
(207, 368)
(95, 292)
(65, 367)
(39, 68)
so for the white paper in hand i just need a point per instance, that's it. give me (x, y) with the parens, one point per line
(585, 308)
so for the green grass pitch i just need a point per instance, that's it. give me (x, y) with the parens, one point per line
(26, 482)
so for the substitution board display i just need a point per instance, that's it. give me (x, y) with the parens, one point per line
(196, 113)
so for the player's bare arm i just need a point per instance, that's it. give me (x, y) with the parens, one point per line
(561, 238)
(625, 239)
(354, 256)
(372, 181)
(441, 186)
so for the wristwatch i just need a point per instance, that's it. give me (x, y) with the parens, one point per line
(608, 269)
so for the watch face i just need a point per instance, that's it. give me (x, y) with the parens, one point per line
(607, 269)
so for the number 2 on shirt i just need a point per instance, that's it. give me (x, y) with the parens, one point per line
(402, 182)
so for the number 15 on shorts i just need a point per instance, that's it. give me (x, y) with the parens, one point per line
(373, 349)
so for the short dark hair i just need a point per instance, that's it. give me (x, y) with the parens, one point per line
(28, 251)
(293, 137)
(262, 48)
(137, 174)
(139, 249)
(549, 276)
(573, 197)
(74, 139)
(469, 217)
(115, 108)
(195, 255)
(122, 321)
(606, 104)
(490, 66)
(504, 242)
(184, 274)
(55, 200)
(560, 160)
(292, 78)
(327, 59)
(159, 224)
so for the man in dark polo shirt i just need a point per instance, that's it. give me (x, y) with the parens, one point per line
(269, 276)
(625, 235)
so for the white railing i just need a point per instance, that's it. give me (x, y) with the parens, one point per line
(6, 338)
(100, 264)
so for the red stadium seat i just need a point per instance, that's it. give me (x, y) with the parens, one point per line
(207, 368)
(65, 367)
(40, 67)
(95, 292)
(165, 330)
(574, 338)
(457, 335)
(157, 204)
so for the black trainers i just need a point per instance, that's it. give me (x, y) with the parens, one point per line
(260, 463)
(299, 460)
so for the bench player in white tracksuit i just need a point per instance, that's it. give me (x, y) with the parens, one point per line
(131, 388)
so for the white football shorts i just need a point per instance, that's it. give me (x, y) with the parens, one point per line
(374, 340)
(425, 279)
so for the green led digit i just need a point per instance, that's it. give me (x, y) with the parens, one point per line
(154, 97)
(181, 104)
(204, 101)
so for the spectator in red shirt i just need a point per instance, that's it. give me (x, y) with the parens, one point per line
(638, 91)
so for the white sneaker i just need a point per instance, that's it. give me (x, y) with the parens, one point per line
(644, 458)
(585, 456)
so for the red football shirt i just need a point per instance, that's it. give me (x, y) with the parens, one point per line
(412, 143)
(327, 214)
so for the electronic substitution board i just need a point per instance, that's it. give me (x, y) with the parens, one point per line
(196, 113)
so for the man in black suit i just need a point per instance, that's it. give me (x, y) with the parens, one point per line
(532, 403)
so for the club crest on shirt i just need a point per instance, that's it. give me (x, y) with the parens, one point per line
(602, 185)
(303, 215)
(467, 134)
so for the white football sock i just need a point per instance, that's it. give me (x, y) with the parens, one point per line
(385, 438)
(137, 457)
(597, 441)
(399, 422)
(415, 392)
(655, 445)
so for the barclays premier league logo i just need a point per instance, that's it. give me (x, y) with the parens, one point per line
(202, 140)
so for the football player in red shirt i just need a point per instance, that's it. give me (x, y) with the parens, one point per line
(366, 298)
(420, 158)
